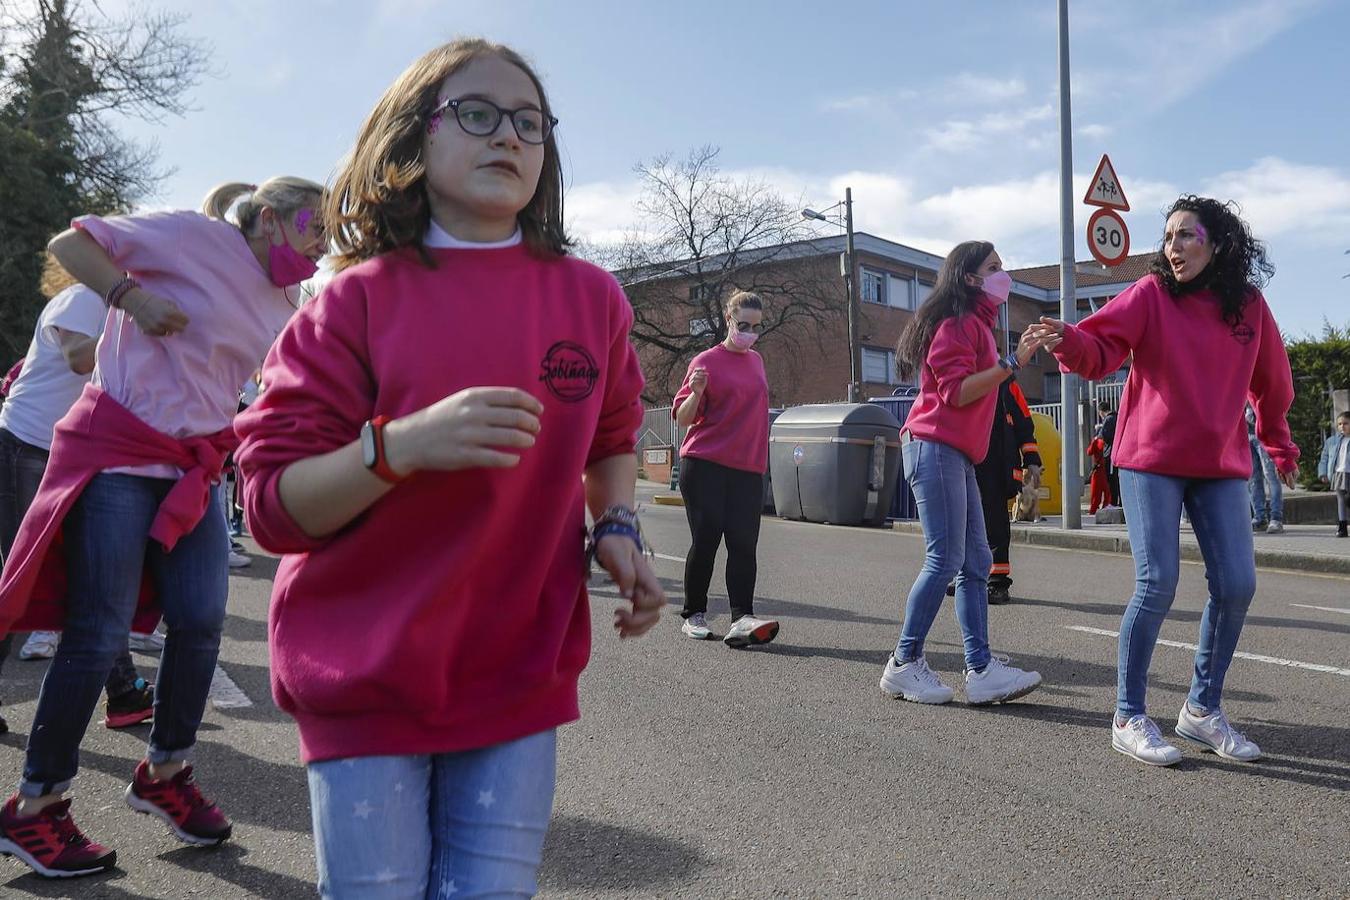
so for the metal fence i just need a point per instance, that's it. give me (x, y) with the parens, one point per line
(658, 429)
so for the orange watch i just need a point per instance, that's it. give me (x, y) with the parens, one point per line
(372, 450)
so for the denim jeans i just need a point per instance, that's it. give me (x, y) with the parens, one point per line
(1153, 506)
(1265, 479)
(459, 825)
(107, 548)
(21, 469)
(952, 516)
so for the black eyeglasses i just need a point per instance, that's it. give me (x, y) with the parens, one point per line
(481, 118)
(746, 326)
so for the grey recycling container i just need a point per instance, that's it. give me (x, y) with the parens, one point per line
(835, 462)
(899, 405)
(768, 473)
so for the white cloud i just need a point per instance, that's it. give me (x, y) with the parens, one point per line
(957, 135)
(868, 102)
(1093, 132)
(971, 88)
(1279, 197)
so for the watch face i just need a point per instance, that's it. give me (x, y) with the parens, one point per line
(368, 455)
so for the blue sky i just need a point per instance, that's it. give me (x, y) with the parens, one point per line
(942, 117)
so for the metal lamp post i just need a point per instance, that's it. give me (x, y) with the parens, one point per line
(850, 285)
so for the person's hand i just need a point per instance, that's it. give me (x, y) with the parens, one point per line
(1323, 479)
(1289, 479)
(618, 555)
(477, 428)
(1028, 344)
(154, 315)
(698, 380)
(1049, 332)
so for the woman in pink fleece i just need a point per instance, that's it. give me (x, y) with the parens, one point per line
(194, 302)
(434, 427)
(950, 341)
(1182, 444)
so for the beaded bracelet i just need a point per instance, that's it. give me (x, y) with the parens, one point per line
(118, 291)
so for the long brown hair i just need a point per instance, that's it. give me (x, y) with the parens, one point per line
(951, 297)
(378, 200)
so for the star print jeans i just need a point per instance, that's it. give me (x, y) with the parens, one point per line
(458, 825)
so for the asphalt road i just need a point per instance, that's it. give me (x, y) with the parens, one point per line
(700, 771)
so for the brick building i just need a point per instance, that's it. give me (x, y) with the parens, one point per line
(806, 356)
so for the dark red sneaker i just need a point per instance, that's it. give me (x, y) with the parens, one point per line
(179, 802)
(51, 843)
(132, 708)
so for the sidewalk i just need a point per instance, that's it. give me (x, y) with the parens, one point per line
(1302, 548)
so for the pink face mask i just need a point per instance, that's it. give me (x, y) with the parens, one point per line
(287, 266)
(997, 285)
(744, 340)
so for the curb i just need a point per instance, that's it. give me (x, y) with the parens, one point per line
(668, 500)
(1106, 543)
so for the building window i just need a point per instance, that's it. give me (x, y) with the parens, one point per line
(700, 326)
(921, 293)
(878, 366)
(698, 293)
(1052, 389)
(900, 292)
(873, 287)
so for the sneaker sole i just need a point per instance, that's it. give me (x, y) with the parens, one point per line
(126, 720)
(1196, 739)
(29, 657)
(9, 848)
(914, 698)
(761, 635)
(1020, 692)
(697, 637)
(145, 807)
(1119, 749)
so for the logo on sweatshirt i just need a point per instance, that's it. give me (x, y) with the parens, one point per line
(569, 371)
(1243, 333)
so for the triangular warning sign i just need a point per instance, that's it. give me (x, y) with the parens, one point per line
(1105, 189)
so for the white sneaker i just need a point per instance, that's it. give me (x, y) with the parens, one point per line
(146, 643)
(1275, 527)
(1140, 738)
(239, 560)
(999, 683)
(696, 627)
(748, 630)
(1215, 732)
(915, 682)
(40, 645)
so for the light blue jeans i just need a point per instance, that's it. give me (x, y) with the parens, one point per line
(1265, 480)
(458, 825)
(943, 481)
(1153, 505)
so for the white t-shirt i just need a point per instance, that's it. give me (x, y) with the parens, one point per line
(47, 388)
(1343, 465)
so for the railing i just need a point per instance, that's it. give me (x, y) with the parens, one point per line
(1054, 410)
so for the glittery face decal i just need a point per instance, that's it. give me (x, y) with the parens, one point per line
(302, 219)
(434, 121)
(1201, 235)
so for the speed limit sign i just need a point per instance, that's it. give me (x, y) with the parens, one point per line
(1108, 238)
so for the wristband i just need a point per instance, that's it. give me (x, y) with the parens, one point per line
(1010, 362)
(118, 291)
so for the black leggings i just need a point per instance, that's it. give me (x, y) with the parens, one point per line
(720, 502)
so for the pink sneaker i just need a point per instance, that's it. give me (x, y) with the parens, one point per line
(51, 843)
(179, 802)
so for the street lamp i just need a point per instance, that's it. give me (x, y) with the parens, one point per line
(850, 285)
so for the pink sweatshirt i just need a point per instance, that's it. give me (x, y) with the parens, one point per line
(732, 423)
(99, 433)
(1182, 409)
(453, 613)
(962, 346)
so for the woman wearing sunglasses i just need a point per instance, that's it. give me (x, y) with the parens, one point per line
(724, 402)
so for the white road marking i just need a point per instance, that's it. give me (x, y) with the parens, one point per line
(225, 694)
(1255, 657)
(1322, 608)
(669, 557)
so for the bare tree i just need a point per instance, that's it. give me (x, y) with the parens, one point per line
(702, 235)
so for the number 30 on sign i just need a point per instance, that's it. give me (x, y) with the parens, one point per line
(1108, 238)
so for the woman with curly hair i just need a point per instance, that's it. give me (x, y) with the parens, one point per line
(1182, 443)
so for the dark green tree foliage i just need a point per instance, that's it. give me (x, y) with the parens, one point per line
(1320, 364)
(63, 70)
